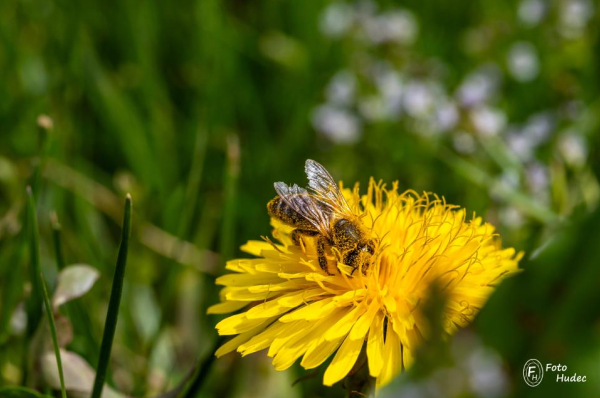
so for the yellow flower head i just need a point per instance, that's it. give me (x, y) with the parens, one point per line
(296, 310)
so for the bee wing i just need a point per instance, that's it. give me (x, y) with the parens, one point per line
(325, 187)
(300, 200)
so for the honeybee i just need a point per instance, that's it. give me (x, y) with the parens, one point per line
(323, 214)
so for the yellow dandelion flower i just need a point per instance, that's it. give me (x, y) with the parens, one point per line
(295, 309)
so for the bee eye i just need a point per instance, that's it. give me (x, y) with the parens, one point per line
(368, 248)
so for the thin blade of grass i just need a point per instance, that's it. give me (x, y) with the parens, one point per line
(34, 305)
(112, 314)
(53, 334)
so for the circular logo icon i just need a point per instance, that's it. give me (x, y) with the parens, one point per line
(533, 372)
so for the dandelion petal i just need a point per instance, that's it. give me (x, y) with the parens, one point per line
(375, 346)
(343, 361)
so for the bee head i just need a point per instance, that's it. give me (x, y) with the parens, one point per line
(366, 248)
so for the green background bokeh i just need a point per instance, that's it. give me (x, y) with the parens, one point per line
(197, 107)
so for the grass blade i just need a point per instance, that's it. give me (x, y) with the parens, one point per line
(53, 334)
(113, 304)
(34, 305)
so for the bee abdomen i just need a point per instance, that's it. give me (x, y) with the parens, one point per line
(277, 208)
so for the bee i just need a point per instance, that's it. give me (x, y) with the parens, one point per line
(323, 214)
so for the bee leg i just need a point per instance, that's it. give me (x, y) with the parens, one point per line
(298, 233)
(322, 246)
(352, 259)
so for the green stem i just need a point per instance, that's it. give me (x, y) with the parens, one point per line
(113, 304)
(54, 336)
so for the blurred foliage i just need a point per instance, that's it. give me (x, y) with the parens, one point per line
(196, 109)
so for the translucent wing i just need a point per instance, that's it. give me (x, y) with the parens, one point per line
(300, 200)
(325, 189)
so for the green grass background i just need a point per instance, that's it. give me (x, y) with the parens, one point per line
(184, 106)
